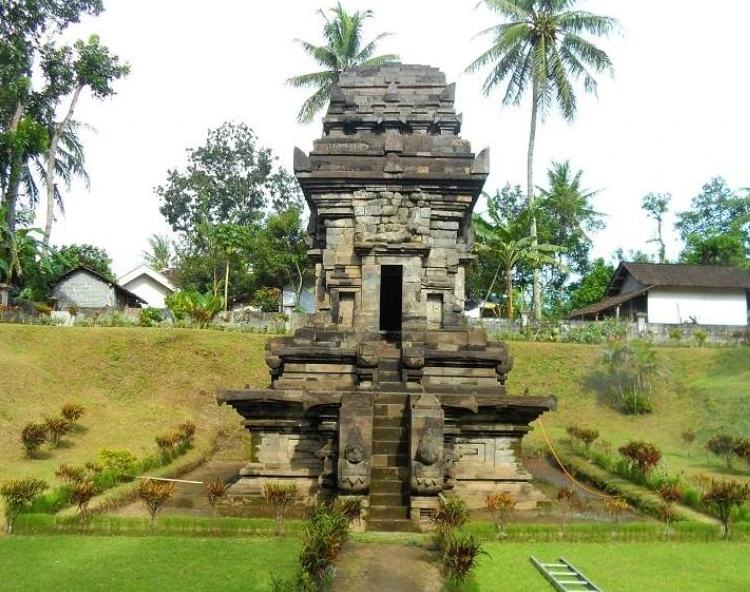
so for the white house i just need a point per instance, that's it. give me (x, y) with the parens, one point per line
(674, 294)
(150, 285)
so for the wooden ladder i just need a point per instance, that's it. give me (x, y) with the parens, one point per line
(564, 577)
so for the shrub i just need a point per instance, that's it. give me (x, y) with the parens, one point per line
(460, 557)
(82, 485)
(631, 368)
(669, 494)
(615, 508)
(33, 436)
(700, 337)
(721, 496)
(279, 495)
(643, 455)
(501, 504)
(351, 506)
(567, 497)
(725, 446)
(56, 427)
(155, 494)
(72, 412)
(200, 308)
(123, 465)
(149, 317)
(18, 495)
(215, 490)
(325, 530)
(675, 333)
(451, 514)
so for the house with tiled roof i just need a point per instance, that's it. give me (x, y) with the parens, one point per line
(667, 293)
(153, 287)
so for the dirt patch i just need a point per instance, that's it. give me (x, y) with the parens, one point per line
(385, 567)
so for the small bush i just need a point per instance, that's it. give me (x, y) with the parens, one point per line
(675, 334)
(123, 465)
(279, 495)
(643, 455)
(72, 412)
(725, 446)
(669, 494)
(149, 317)
(155, 494)
(451, 514)
(700, 337)
(350, 506)
(325, 530)
(215, 490)
(33, 436)
(615, 508)
(460, 557)
(57, 427)
(501, 504)
(722, 496)
(19, 494)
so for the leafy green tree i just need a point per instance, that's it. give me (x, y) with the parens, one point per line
(343, 50)
(500, 235)
(656, 206)
(18, 495)
(85, 255)
(540, 46)
(591, 287)
(565, 217)
(280, 252)
(716, 228)
(27, 32)
(229, 180)
(87, 65)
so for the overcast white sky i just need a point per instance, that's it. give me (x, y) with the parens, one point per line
(674, 115)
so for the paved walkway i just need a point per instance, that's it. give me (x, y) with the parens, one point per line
(387, 567)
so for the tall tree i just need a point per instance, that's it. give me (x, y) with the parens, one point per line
(716, 228)
(566, 217)
(343, 50)
(504, 237)
(25, 27)
(656, 205)
(229, 180)
(591, 287)
(541, 46)
(160, 252)
(87, 65)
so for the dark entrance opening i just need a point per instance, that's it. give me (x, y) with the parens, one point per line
(391, 280)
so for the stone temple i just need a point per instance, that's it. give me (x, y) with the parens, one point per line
(386, 393)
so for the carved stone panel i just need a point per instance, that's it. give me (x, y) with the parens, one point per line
(355, 443)
(426, 445)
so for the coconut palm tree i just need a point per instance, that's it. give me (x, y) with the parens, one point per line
(160, 253)
(343, 50)
(540, 46)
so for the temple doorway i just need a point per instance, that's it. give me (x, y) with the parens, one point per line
(391, 288)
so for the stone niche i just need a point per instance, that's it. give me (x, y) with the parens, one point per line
(386, 392)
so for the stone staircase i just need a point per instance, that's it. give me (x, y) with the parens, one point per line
(389, 479)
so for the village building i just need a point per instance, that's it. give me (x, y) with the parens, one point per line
(150, 285)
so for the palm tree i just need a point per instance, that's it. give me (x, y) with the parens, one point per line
(540, 46)
(502, 237)
(343, 50)
(160, 255)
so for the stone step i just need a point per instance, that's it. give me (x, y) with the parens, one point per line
(391, 500)
(396, 511)
(385, 413)
(388, 433)
(384, 486)
(389, 447)
(388, 473)
(390, 460)
(391, 399)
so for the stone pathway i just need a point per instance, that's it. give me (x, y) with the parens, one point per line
(387, 567)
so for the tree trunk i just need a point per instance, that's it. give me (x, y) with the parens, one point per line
(489, 291)
(51, 158)
(226, 286)
(14, 175)
(509, 291)
(536, 300)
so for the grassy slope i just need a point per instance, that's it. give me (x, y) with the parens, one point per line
(704, 390)
(134, 384)
(137, 383)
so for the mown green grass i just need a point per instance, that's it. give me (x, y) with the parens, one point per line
(619, 567)
(138, 564)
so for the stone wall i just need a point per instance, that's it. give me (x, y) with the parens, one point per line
(84, 290)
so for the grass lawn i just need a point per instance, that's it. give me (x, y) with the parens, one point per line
(75, 563)
(619, 567)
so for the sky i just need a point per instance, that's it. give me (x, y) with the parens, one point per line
(674, 115)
